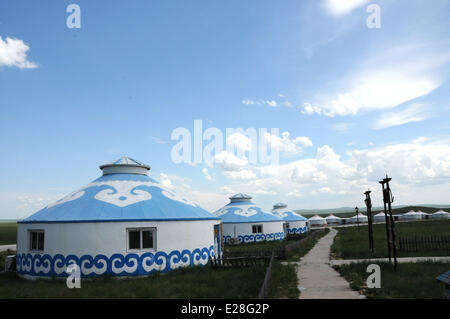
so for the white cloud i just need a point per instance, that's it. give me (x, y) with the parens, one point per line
(13, 52)
(240, 141)
(413, 113)
(158, 140)
(399, 75)
(285, 144)
(304, 141)
(272, 103)
(242, 174)
(229, 161)
(342, 7)
(206, 174)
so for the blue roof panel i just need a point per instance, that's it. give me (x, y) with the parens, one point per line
(244, 212)
(117, 197)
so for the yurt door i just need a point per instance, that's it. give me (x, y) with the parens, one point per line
(217, 241)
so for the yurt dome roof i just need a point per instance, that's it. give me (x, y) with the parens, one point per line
(380, 214)
(281, 210)
(316, 217)
(121, 195)
(242, 210)
(440, 212)
(331, 216)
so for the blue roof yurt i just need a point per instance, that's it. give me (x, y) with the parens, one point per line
(245, 222)
(294, 223)
(440, 214)
(124, 223)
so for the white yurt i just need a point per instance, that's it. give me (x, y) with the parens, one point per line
(122, 224)
(440, 214)
(294, 223)
(411, 215)
(379, 218)
(360, 218)
(424, 215)
(317, 221)
(333, 220)
(246, 222)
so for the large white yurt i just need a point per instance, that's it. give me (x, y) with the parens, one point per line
(411, 215)
(294, 223)
(317, 221)
(246, 222)
(122, 224)
(360, 218)
(440, 214)
(333, 220)
(379, 218)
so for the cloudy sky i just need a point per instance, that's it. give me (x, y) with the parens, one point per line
(350, 103)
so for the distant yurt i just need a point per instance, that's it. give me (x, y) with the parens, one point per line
(122, 224)
(424, 215)
(411, 215)
(245, 222)
(317, 221)
(379, 218)
(294, 223)
(440, 214)
(360, 218)
(333, 220)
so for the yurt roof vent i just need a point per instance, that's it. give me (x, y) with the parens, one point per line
(280, 205)
(240, 197)
(125, 165)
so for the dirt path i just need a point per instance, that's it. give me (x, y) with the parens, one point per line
(316, 278)
(6, 247)
(338, 262)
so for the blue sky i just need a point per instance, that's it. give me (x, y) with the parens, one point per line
(355, 102)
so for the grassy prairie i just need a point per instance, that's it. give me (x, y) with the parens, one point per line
(8, 233)
(412, 280)
(351, 244)
(186, 283)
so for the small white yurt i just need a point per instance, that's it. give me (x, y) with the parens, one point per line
(333, 220)
(317, 221)
(440, 214)
(360, 218)
(294, 223)
(411, 215)
(379, 218)
(424, 215)
(246, 222)
(124, 223)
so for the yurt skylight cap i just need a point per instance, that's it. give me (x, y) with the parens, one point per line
(240, 197)
(280, 205)
(125, 165)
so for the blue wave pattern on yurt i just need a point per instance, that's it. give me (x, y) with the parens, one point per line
(121, 197)
(253, 238)
(245, 211)
(298, 230)
(117, 264)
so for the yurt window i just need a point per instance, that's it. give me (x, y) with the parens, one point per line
(256, 229)
(142, 238)
(36, 239)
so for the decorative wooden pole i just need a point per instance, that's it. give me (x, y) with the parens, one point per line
(388, 198)
(387, 222)
(368, 202)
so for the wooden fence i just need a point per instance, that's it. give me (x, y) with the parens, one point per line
(429, 243)
(239, 262)
(264, 290)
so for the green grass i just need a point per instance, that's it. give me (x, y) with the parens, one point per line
(186, 283)
(283, 284)
(351, 244)
(412, 280)
(8, 233)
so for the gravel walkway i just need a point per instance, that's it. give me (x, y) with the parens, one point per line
(316, 278)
